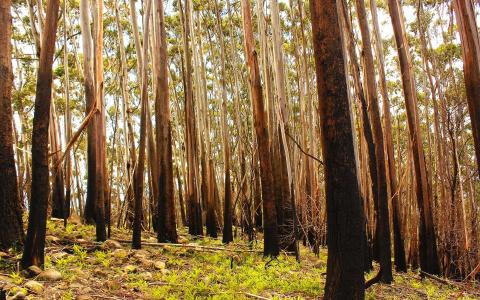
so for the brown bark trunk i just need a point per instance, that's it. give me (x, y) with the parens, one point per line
(10, 210)
(263, 142)
(166, 201)
(345, 218)
(34, 252)
(427, 240)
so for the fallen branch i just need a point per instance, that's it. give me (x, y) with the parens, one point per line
(303, 151)
(436, 278)
(193, 246)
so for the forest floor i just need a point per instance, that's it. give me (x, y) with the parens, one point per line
(199, 268)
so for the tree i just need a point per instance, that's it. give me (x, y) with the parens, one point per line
(34, 252)
(10, 209)
(270, 242)
(345, 220)
(427, 240)
(381, 207)
(468, 30)
(166, 201)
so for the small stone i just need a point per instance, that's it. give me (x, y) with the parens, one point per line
(140, 254)
(58, 255)
(146, 263)
(100, 272)
(19, 296)
(120, 253)
(165, 271)
(34, 286)
(111, 244)
(113, 285)
(130, 269)
(159, 265)
(50, 275)
(34, 270)
(146, 275)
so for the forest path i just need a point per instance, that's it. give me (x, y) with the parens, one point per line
(114, 271)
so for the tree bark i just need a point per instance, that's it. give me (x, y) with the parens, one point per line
(271, 247)
(10, 209)
(166, 202)
(345, 220)
(34, 252)
(427, 240)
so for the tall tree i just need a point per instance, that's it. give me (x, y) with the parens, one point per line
(382, 223)
(34, 250)
(194, 211)
(227, 211)
(345, 220)
(467, 27)
(166, 202)
(427, 240)
(398, 243)
(270, 247)
(10, 209)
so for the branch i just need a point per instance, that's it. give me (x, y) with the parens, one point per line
(303, 151)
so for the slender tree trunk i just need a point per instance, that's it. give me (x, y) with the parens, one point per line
(382, 224)
(468, 30)
(34, 252)
(140, 169)
(166, 202)
(271, 247)
(195, 217)
(345, 218)
(10, 209)
(427, 240)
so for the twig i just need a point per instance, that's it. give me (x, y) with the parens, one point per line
(255, 296)
(303, 151)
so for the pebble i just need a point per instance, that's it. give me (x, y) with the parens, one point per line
(34, 286)
(50, 275)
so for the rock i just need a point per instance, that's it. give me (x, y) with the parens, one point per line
(34, 270)
(111, 244)
(52, 239)
(19, 296)
(120, 253)
(165, 271)
(130, 269)
(113, 285)
(34, 286)
(58, 255)
(159, 265)
(146, 275)
(140, 254)
(100, 272)
(50, 275)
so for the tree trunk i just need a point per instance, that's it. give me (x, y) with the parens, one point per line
(166, 202)
(468, 30)
(427, 241)
(271, 247)
(345, 220)
(382, 224)
(10, 209)
(34, 252)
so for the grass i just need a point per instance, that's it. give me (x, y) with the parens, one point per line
(190, 274)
